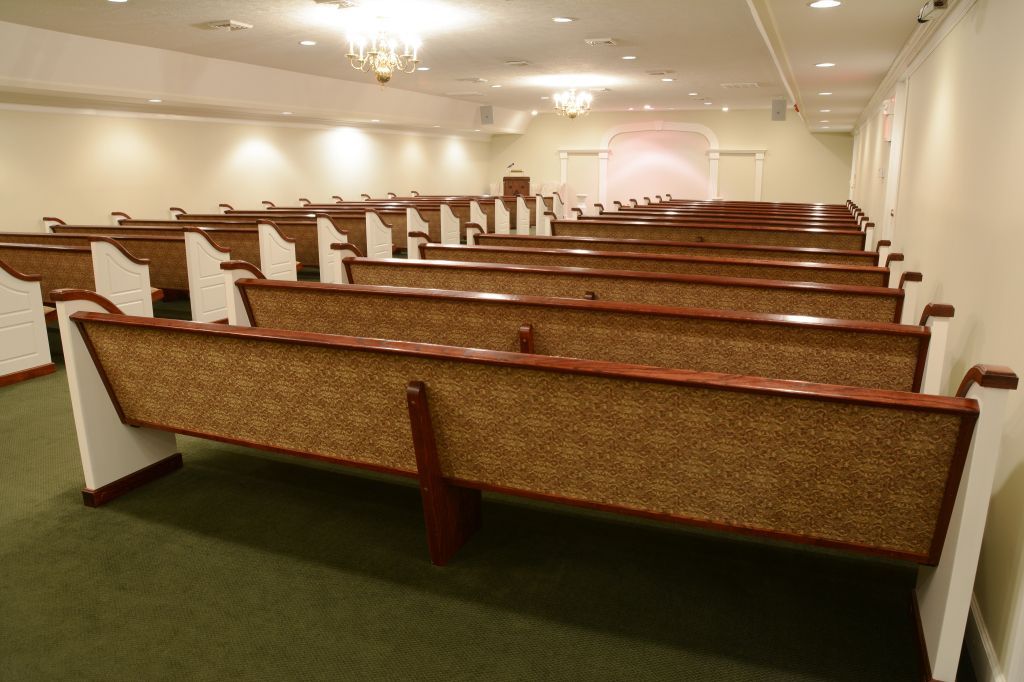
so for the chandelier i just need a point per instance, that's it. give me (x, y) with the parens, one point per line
(572, 104)
(383, 58)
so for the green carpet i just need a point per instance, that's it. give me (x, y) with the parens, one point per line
(246, 565)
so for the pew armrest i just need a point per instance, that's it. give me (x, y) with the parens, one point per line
(472, 230)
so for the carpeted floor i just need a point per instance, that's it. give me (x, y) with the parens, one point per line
(252, 566)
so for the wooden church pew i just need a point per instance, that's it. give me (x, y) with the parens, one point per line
(870, 354)
(24, 349)
(846, 302)
(870, 472)
(752, 219)
(869, 276)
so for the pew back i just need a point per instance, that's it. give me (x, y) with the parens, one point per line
(769, 236)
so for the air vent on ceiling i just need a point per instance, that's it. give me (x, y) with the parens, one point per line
(471, 80)
(660, 72)
(226, 25)
(517, 62)
(600, 42)
(740, 86)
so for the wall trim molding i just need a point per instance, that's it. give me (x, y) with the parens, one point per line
(979, 645)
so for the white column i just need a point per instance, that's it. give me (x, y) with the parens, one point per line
(563, 158)
(758, 175)
(713, 174)
(602, 177)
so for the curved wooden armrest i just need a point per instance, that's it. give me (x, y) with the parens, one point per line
(420, 235)
(243, 265)
(475, 226)
(936, 310)
(337, 198)
(268, 204)
(17, 274)
(120, 247)
(54, 220)
(227, 206)
(345, 246)
(658, 197)
(207, 237)
(881, 243)
(271, 223)
(892, 258)
(552, 214)
(414, 193)
(366, 197)
(910, 277)
(178, 210)
(869, 224)
(392, 195)
(304, 201)
(989, 376)
(578, 211)
(599, 207)
(618, 203)
(64, 295)
(647, 199)
(123, 215)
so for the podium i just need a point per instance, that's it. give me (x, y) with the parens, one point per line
(516, 184)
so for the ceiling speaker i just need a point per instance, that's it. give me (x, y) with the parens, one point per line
(778, 108)
(486, 114)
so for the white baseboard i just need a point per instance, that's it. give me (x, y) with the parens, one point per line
(979, 646)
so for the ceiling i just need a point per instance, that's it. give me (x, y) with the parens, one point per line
(703, 45)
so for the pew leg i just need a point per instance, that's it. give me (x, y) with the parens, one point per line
(451, 513)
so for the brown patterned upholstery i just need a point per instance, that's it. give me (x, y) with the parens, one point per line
(302, 230)
(356, 227)
(819, 354)
(69, 268)
(244, 243)
(791, 301)
(823, 470)
(620, 261)
(718, 235)
(678, 248)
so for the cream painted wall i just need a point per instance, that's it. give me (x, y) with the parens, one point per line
(81, 167)
(799, 165)
(871, 168)
(959, 221)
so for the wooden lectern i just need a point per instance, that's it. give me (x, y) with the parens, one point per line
(516, 184)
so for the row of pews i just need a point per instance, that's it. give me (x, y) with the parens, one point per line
(762, 369)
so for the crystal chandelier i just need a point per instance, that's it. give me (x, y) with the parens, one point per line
(383, 58)
(572, 104)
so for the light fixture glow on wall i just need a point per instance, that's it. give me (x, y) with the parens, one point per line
(572, 104)
(383, 58)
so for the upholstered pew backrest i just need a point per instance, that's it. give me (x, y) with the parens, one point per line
(753, 219)
(731, 293)
(104, 266)
(166, 254)
(24, 349)
(875, 355)
(359, 224)
(302, 230)
(784, 253)
(683, 265)
(770, 236)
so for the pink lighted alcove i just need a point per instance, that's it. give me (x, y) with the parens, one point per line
(648, 162)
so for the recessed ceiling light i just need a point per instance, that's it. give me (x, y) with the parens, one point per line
(824, 4)
(667, 80)
(563, 20)
(307, 43)
(423, 68)
(648, 107)
(631, 108)
(376, 120)
(629, 57)
(118, 0)
(495, 86)
(824, 120)
(476, 130)
(286, 113)
(825, 65)
(824, 111)
(545, 97)
(824, 94)
(155, 101)
(694, 94)
(725, 108)
(534, 112)
(436, 126)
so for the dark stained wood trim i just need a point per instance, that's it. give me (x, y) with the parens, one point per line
(612, 256)
(272, 224)
(331, 218)
(120, 247)
(607, 306)
(988, 376)
(19, 275)
(421, 235)
(924, 664)
(178, 210)
(956, 470)
(207, 237)
(451, 513)
(243, 265)
(124, 216)
(472, 226)
(910, 277)
(58, 295)
(53, 220)
(381, 218)
(304, 201)
(526, 344)
(345, 246)
(881, 243)
(47, 248)
(268, 204)
(936, 310)
(562, 365)
(578, 211)
(227, 206)
(101, 370)
(337, 198)
(26, 374)
(884, 292)
(892, 258)
(111, 491)
(157, 294)
(603, 220)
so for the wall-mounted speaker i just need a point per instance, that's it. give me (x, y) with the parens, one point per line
(778, 108)
(486, 114)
